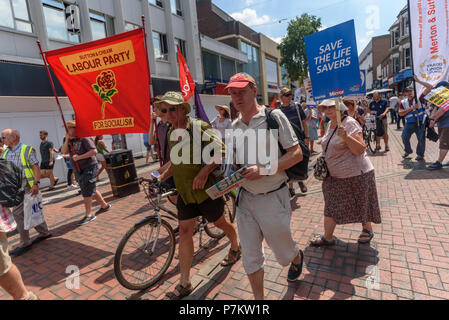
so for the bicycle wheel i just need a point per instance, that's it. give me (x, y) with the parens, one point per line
(229, 213)
(372, 141)
(136, 265)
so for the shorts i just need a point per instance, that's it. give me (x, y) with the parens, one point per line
(210, 209)
(5, 259)
(443, 133)
(100, 157)
(147, 146)
(47, 166)
(87, 181)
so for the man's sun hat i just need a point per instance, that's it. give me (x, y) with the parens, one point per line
(240, 81)
(174, 99)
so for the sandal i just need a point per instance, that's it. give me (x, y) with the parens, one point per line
(232, 257)
(180, 292)
(320, 241)
(369, 236)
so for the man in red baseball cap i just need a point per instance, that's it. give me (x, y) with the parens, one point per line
(263, 207)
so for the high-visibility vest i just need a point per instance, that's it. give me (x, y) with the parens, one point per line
(25, 152)
(410, 117)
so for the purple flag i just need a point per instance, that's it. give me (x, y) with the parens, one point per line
(200, 113)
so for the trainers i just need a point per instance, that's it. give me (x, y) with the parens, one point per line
(86, 220)
(292, 192)
(295, 269)
(31, 296)
(71, 187)
(435, 166)
(419, 158)
(102, 210)
(406, 155)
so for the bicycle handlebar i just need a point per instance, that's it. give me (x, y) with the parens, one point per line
(154, 182)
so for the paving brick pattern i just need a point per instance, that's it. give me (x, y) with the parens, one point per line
(407, 259)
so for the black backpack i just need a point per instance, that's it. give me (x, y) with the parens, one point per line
(11, 190)
(299, 171)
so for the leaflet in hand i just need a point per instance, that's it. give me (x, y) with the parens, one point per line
(226, 185)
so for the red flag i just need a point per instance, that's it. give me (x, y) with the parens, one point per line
(273, 104)
(185, 78)
(107, 83)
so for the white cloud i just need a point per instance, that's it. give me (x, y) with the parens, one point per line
(370, 33)
(249, 2)
(250, 18)
(278, 39)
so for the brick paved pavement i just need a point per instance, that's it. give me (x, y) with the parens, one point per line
(408, 257)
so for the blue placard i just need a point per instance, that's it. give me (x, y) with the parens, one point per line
(333, 62)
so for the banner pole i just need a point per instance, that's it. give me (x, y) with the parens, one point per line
(412, 62)
(57, 99)
(153, 122)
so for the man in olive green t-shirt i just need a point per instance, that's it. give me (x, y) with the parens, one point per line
(191, 180)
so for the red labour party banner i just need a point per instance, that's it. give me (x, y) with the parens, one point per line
(107, 83)
(185, 78)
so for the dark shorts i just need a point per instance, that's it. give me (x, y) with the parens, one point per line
(46, 166)
(87, 181)
(443, 133)
(147, 146)
(210, 209)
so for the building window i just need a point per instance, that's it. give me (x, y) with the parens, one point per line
(406, 26)
(54, 14)
(131, 26)
(98, 25)
(160, 46)
(252, 67)
(227, 69)
(211, 65)
(396, 37)
(407, 58)
(182, 46)
(14, 14)
(156, 3)
(176, 7)
(396, 65)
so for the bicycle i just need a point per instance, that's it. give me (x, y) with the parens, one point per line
(152, 240)
(369, 133)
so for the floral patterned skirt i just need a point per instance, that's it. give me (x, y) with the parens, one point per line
(352, 200)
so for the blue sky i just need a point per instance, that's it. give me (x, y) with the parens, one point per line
(372, 17)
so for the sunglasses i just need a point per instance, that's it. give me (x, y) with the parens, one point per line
(287, 95)
(348, 103)
(172, 109)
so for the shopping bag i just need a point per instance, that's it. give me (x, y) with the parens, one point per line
(33, 211)
(7, 222)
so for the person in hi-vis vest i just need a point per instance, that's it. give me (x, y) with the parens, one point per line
(414, 123)
(25, 158)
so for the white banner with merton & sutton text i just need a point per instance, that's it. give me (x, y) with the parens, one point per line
(429, 21)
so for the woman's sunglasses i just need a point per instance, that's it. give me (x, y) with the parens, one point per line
(172, 109)
(287, 95)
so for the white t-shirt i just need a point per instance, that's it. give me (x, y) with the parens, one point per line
(394, 103)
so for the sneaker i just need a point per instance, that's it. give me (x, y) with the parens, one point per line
(435, 166)
(295, 269)
(86, 220)
(406, 155)
(419, 158)
(31, 296)
(102, 210)
(292, 192)
(71, 187)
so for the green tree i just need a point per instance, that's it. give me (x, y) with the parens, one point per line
(293, 48)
